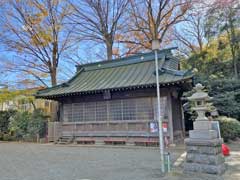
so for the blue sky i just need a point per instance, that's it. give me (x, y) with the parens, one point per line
(85, 52)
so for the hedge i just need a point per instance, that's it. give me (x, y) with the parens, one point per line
(229, 127)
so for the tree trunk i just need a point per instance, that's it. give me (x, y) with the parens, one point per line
(234, 47)
(54, 62)
(53, 75)
(34, 106)
(109, 49)
(235, 61)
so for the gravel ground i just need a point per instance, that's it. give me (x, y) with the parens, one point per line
(26, 161)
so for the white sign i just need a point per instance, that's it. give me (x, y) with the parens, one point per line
(153, 127)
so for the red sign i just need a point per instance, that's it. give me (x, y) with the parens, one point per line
(165, 127)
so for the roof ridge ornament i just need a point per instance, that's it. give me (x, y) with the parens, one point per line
(199, 94)
(199, 87)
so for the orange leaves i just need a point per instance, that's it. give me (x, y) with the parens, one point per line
(19, 47)
(119, 37)
(37, 12)
(34, 19)
(42, 9)
(38, 7)
(115, 52)
(167, 18)
(41, 37)
(185, 7)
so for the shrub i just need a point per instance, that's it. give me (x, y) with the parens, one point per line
(229, 127)
(28, 126)
(19, 123)
(37, 124)
(8, 137)
(4, 121)
(226, 96)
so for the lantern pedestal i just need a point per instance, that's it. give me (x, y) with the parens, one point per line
(204, 148)
(204, 156)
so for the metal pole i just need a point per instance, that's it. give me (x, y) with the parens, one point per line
(168, 160)
(161, 145)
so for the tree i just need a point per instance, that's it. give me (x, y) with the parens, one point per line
(37, 124)
(223, 17)
(191, 34)
(4, 120)
(226, 96)
(153, 19)
(212, 62)
(17, 97)
(99, 21)
(19, 124)
(36, 31)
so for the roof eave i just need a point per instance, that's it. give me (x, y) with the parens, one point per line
(55, 96)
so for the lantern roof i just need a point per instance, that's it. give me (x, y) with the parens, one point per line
(199, 94)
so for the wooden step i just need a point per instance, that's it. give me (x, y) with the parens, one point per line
(65, 140)
(84, 141)
(146, 143)
(115, 141)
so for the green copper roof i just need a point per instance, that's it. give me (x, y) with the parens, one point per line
(135, 71)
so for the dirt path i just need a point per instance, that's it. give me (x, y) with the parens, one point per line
(50, 162)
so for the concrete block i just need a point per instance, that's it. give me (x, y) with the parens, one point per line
(205, 159)
(204, 149)
(202, 168)
(210, 150)
(202, 125)
(203, 134)
(192, 167)
(203, 142)
(210, 169)
(192, 149)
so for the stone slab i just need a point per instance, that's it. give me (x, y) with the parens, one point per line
(203, 142)
(202, 125)
(205, 159)
(203, 134)
(203, 168)
(212, 150)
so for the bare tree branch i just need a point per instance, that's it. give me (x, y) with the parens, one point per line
(37, 30)
(99, 20)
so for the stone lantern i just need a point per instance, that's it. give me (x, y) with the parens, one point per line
(202, 126)
(203, 146)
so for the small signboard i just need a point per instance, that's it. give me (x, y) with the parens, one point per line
(165, 127)
(216, 127)
(153, 127)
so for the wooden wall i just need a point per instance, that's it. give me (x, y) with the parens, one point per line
(123, 128)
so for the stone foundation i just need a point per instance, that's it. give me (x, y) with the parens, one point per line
(204, 156)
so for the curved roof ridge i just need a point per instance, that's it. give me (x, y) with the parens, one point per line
(137, 58)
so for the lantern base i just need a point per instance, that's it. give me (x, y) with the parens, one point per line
(204, 156)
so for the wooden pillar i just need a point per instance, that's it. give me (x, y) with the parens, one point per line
(170, 116)
(183, 119)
